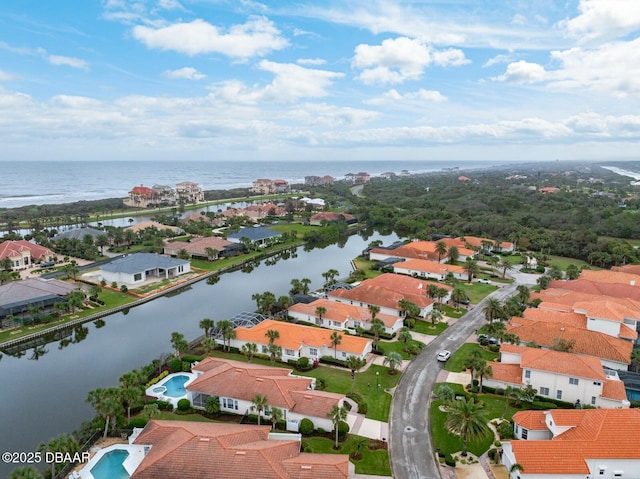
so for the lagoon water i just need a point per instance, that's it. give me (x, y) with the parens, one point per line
(46, 397)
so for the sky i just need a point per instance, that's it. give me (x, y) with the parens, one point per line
(320, 80)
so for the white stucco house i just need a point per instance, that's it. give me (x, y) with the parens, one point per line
(574, 444)
(136, 268)
(423, 268)
(236, 385)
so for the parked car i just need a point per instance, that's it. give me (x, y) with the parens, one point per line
(484, 281)
(47, 264)
(485, 339)
(443, 355)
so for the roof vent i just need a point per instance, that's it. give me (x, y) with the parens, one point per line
(241, 453)
(259, 380)
(562, 329)
(632, 282)
(306, 466)
(204, 439)
(307, 397)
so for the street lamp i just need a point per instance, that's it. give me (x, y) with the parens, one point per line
(377, 379)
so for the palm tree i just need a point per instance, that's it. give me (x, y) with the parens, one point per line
(276, 415)
(515, 467)
(493, 310)
(207, 325)
(473, 360)
(64, 444)
(250, 349)
(272, 334)
(459, 295)
(101, 241)
(453, 254)
(337, 414)
(355, 363)
(394, 360)
(130, 390)
(259, 404)
(275, 352)
(330, 277)
(305, 285)
(483, 369)
(441, 249)
(70, 270)
(432, 291)
(320, 311)
(466, 419)
(435, 315)
(471, 268)
(523, 293)
(94, 291)
(505, 266)
(107, 404)
(373, 311)
(75, 299)
(208, 345)
(227, 331)
(178, 343)
(336, 339)
(150, 410)
(377, 328)
(445, 393)
(405, 336)
(212, 253)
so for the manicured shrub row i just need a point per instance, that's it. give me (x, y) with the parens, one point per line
(162, 375)
(332, 360)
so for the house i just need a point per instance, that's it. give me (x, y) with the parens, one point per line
(265, 186)
(299, 341)
(79, 234)
(421, 250)
(24, 254)
(564, 376)
(142, 197)
(548, 189)
(236, 451)
(588, 286)
(236, 384)
(17, 297)
(574, 443)
(463, 179)
(429, 269)
(475, 242)
(361, 178)
(154, 224)
(613, 352)
(166, 193)
(189, 192)
(329, 217)
(312, 180)
(256, 235)
(386, 291)
(342, 316)
(136, 268)
(198, 247)
(615, 277)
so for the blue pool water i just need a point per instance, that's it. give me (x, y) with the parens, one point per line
(110, 466)
(175, 386)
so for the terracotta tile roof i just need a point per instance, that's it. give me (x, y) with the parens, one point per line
(506, 373)
(197, 217)
(430, 266)
(204, 450)
(591, 343)
(596, 435)
(607, 276)
(608, 310)
(532, 420)
(614, 389)
(569, 297)
(477, 242)
(568, 364)
(198, 245)
(574, 320)
(331, 216)
(294, 336)
(11, 249)
(152, 224)
(341, 312)
(143, 191)
(597, 288)
(238, 380)
(628, 268)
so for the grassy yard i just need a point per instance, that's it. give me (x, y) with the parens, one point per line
(398, 347)
(374, 461)
(563, 262)
(477, 291)
(366, 265)
(456, 361)
(425, 327)
(452, 312)
(300, 229)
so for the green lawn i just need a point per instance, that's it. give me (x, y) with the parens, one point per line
(477, 291)
(452, 312)
(366, 265)
(456, 361)
(398, 347)
(563, 262)
(425, 327)
(289, 227)
(374, 462)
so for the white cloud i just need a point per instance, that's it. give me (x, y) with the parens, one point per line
(604, 19)
(498, 59)
(451, 57)
(311, 61)
(393, 96)
(256, 37)
(185, 73)
(68, 61)
(4, 76)
(291, 82)
(394, 61)
(518, 19)
(523, 72)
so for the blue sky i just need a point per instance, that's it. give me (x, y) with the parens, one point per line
(513, 80)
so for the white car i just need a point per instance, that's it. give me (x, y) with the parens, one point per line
(484, 281)
(443, 355)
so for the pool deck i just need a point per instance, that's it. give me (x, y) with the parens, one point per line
(161, 384)
(136, 455)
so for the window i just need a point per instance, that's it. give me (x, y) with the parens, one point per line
(344, 355)
(289, 352)
(337, 323)
(544, 391)
(525, 433)
(593, 400)
(527, 374)
(573, 381)
(265, 349)
(356, 324)
(559, 394)
(137, 276)
(313, 352)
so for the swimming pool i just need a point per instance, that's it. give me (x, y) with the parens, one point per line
(175, 386)
(110, 465)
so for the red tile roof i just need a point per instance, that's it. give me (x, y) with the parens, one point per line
(598, 434)
(12, 249)
(342, 312)
(430, 266)
(532, 420)
(198, 450)
(331, 216)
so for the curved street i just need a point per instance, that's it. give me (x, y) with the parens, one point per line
(410, 449)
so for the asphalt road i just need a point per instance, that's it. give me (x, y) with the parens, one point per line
(410, 448)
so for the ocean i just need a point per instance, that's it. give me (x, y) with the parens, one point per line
(55, 182)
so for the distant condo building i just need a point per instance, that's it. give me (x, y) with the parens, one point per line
(265, 186)
(186, 192)
(318, 180)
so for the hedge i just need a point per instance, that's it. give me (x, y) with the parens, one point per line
(332, 360)
(306, 427)
(162, 375)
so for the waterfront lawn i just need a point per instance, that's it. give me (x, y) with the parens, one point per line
(456, 361)
(425, 327)
(366, 265)
(374, 461)
(300, 229)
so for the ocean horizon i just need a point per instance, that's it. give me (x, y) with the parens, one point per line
(53, 182)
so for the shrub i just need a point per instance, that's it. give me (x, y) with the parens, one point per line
(162, 375)
(114, 285)
(543, 405)
(184, 404)
(303, 364)
(306, 427)
(493, 454)
(320, 384)
(138, 422)
(175, 366)
(191, 358)
(505, 430)
(163, 405)
(497, 443)
(343, 429)
(103, 283)
(186, 366)
(124, 288)
(449, 461)
(363, 407)
(321, 430)
(332, 360)
(212, 406)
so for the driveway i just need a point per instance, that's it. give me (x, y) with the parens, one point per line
(410, 448)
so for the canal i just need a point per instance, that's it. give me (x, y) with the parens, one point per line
(41, 398)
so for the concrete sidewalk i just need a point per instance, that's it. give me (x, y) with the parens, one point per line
(361, 426)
